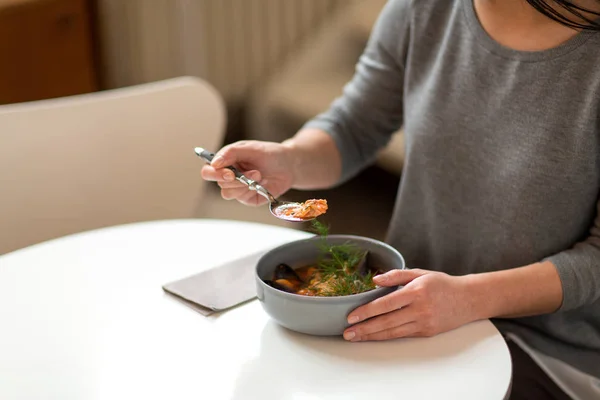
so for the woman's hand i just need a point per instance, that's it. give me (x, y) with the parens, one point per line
(428, 304)
(269, 164)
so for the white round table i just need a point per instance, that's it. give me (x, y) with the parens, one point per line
(85, 317)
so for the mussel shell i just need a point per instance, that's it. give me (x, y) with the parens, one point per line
(363, 266)
(283, 285)
(284, 271)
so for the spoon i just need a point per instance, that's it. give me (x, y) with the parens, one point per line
(276, 207)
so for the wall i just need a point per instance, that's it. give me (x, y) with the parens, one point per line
(234, 44)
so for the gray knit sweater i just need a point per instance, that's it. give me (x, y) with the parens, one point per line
(502, 163)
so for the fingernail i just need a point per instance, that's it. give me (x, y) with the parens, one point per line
(217, 161)
(228, 176)
(381, 278)
(349, 335)
(353, 320)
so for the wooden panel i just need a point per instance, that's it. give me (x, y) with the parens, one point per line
(46, 50)
(233, 44)
(161, 56)
(116, 31)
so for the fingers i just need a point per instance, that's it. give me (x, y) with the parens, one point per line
(251, 198)
(234, 193)
(398, 277)
(385, 322)
(226, 176)
(410, 329)
(247, 157)
(231, 188)
(244, 196)
(238, 191)
(210, 173)
(246, 151)
(382, 305)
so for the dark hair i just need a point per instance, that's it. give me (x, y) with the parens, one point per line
(590, 24)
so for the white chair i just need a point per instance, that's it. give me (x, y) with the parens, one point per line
(83, 162)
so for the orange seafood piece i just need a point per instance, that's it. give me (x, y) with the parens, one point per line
(309, 209)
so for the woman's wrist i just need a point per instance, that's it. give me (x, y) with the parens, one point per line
(292, 155)
(313, 159)
(479, 301)
(519, 292)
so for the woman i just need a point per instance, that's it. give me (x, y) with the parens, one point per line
(496, 211)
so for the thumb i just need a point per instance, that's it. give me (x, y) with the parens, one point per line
(398, 277)
(238, 152)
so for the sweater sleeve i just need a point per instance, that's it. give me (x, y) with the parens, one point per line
(579, 269)
(362, 120)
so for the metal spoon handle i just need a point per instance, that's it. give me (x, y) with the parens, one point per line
(252, 185)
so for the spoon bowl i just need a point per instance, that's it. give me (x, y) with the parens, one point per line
(277, 208)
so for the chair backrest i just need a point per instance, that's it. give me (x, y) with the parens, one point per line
(83, 162)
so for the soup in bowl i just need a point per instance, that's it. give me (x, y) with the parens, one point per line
(311, 285)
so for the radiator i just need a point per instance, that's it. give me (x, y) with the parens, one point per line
(233, 44)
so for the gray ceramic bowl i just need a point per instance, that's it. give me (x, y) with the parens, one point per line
(323, 316)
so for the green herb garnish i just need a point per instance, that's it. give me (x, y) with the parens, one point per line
(319, 228)
(337, 265)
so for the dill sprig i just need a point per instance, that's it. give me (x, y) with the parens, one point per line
(337, 264)
(319, 228)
